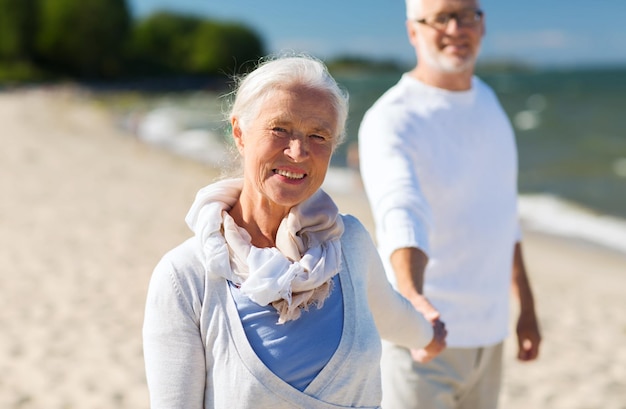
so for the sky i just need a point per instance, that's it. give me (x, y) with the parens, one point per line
(541, 33)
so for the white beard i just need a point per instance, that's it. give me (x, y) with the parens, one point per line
(445, 63)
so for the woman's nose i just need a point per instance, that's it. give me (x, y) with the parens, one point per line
(298, 148)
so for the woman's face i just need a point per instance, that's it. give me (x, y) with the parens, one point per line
(286, 149)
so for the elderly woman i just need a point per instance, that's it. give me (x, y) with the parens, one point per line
(277, 301)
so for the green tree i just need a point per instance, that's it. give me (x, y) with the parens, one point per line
(163, 41)
(174, 43)
(83, 37)
(17, 27)
(224, 48)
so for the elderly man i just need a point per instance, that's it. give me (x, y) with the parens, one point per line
(439, 165)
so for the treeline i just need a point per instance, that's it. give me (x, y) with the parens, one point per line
(356, 63)
(99, 39)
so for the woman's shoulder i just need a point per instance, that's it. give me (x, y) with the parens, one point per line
(182, 266)
(351, 224)
(184, 256)
(355, 233)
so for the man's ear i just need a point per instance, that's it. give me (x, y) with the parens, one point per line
(483, 27)
(411, 32)
(237, 134)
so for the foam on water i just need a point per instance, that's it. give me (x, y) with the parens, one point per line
(553, 215)
(167, 128)
(539, 212)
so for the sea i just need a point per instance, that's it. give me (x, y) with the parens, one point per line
(570, 127)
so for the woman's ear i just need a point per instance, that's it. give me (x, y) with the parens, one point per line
(237, 134)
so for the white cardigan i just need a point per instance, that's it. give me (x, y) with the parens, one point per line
(197, 354)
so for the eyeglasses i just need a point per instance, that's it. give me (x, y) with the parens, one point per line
(464, 18)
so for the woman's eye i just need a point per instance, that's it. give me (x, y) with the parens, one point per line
(279, 130)
(318, 137)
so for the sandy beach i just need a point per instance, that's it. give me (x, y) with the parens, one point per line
(87, 211)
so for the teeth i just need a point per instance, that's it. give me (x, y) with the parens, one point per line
(289, 175)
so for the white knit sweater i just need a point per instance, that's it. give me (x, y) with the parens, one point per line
(197, 354)
(440, 171)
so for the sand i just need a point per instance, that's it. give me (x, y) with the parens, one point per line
(87, 211)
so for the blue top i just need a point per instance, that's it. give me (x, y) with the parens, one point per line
(297, 350)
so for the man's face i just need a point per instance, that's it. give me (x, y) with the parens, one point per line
(448, 39)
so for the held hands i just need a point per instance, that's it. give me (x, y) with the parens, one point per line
(435, 347)
(438, 342)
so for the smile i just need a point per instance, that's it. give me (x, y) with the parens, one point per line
(288, 174)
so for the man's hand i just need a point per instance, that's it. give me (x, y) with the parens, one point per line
(528, 336)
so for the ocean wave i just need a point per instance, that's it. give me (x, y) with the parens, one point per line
(543, 213)
(551, 214)
(169, 128)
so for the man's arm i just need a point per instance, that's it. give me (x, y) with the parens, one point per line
(528, 334)
(409, 265)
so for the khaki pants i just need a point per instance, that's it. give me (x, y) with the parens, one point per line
(459, 378)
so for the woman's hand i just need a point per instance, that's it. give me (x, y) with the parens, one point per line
(435, 346)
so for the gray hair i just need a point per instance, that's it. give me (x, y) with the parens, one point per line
(413, 8)
(279, 71)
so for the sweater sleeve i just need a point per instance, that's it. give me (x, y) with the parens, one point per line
(401, 212)
(395, 317)
(173, 348)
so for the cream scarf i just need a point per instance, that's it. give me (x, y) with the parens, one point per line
(293, 275)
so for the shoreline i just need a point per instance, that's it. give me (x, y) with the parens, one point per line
(172, 128)
(89, 210)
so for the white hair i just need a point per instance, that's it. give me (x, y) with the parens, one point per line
(413, 8)
(283, 71)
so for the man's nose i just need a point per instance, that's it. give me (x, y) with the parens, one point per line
(453, 25)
